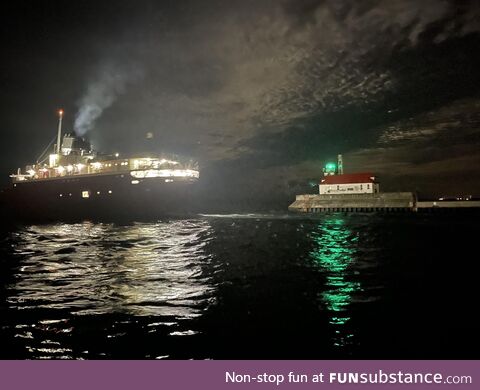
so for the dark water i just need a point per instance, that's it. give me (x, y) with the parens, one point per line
(250, 286)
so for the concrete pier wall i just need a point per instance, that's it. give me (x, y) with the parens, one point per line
(448, 204)
(387, 201)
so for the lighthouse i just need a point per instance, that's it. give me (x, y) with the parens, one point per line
(335, 182)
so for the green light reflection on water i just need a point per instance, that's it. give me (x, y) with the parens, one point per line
(334, 253)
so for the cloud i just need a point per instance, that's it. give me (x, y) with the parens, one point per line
(444, 141)
(259, 68)
(277, 83)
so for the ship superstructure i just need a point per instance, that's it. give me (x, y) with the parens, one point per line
(74, 157)
(71, 166)
(74, 180)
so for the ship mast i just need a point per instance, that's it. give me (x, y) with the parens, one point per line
(59, 135)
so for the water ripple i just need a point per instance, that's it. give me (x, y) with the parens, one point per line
(234, 286)
(142, 269)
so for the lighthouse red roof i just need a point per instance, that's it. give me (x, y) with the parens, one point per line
(364, 177)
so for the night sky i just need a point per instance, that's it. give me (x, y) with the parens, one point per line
(262, 93)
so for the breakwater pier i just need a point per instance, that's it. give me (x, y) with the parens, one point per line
(360, 192)
(383, 202)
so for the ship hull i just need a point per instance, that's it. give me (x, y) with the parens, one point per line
(114, 196)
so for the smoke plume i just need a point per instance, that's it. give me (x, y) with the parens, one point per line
(110, 82)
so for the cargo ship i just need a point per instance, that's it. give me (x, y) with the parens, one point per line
(75, 182)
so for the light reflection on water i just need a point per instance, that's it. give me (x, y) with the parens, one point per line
(334, 254)
(95, 269)
(228, 286)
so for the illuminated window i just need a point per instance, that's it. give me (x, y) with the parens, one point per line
(85, 194)
(135, 182)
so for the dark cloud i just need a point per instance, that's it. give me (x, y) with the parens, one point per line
(440, 146)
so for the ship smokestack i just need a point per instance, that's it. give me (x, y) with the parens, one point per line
(59, 135)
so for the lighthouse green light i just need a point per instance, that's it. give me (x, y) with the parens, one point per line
(330, 168)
